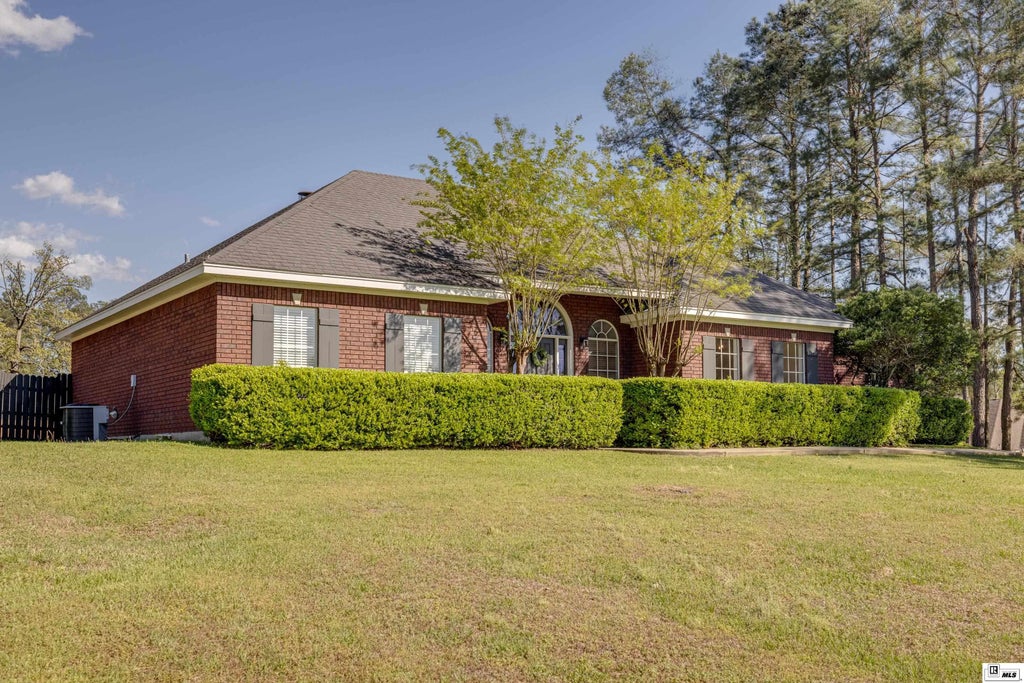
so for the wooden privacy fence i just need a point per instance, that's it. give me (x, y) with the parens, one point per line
(30, 406)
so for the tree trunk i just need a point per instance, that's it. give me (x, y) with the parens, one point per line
(929, 209)
(1005, 413)
(521, 359)
(1009, 343)
(979, 437)
(16, 358)
(793, 238)
(879, 205)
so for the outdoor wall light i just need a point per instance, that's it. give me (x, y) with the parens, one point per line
(728, 332)
(583, 340)
(296, 298)
(424, 308)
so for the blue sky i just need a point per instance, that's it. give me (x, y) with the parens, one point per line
(134, 132)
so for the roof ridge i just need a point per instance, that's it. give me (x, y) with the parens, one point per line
(385, 175)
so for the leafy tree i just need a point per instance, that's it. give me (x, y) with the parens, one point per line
(517, 209)
(911, 339)
(674, 233)
(784, 114)
(983, 42)
(879, 142)
(37, 301)
(647, 111)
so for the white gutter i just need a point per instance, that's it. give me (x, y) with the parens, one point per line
(355, 284)
(179, 281)
(205, 274)
(785, 322)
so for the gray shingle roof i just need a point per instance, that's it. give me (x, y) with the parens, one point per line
(364, 225)
(772, 297)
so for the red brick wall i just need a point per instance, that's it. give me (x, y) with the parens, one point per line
(583, 311)
(214, 324)
(160, 347)
(361, 346)
(763, 338)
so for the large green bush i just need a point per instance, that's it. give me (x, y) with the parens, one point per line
(945, 421)
(277, 407)
(681, 413)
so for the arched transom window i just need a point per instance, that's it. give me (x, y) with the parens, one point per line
(554, 353)
(603, 344)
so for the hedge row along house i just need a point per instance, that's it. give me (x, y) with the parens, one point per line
(343, 278)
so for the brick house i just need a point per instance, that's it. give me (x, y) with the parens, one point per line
(343, 278)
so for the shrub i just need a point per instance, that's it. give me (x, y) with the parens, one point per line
(276, 407)
(945, 421)
(681, 413)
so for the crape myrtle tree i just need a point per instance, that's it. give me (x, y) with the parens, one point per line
(518, 209)
(38, 299)
(673, 232)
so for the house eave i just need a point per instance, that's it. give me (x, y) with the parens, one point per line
(336, 283)
(205, 274)
(724, 317)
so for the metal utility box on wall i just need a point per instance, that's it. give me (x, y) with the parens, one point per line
(85, 422)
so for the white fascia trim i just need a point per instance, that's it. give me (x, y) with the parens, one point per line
(204, 274)
(784, 322)
(354, 284)
(188, 281)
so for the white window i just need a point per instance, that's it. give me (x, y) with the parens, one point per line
(793, 362)
(422, 344)
(727, 358)
(603, 344)
(295, 336)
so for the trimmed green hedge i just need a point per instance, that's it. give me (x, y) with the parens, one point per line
(683, 413)
(275, 407)
(946, 421)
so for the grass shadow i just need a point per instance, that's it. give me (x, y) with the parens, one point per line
(1009, 462)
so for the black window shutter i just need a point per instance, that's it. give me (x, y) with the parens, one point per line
(262, 334)
(811, 363)
(327, 338)
(778, 353)
(749, 372)
(394, 342)
(709, 358)
(451, 347)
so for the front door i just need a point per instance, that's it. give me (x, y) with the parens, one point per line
(551, 357)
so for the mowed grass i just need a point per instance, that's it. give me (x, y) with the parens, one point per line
(168, 562)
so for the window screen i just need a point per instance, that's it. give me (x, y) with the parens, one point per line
(603, 344)
(295, 336)
(793, 359)
(422, 344)
(727, 358)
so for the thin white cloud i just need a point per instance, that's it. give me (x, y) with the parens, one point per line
(60, 186)
(63, 239)
(209, 222)
(99, 267)
(16, 247)
(18, 28)
(21, 241)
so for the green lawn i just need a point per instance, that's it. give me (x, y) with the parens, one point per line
(170, 562)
